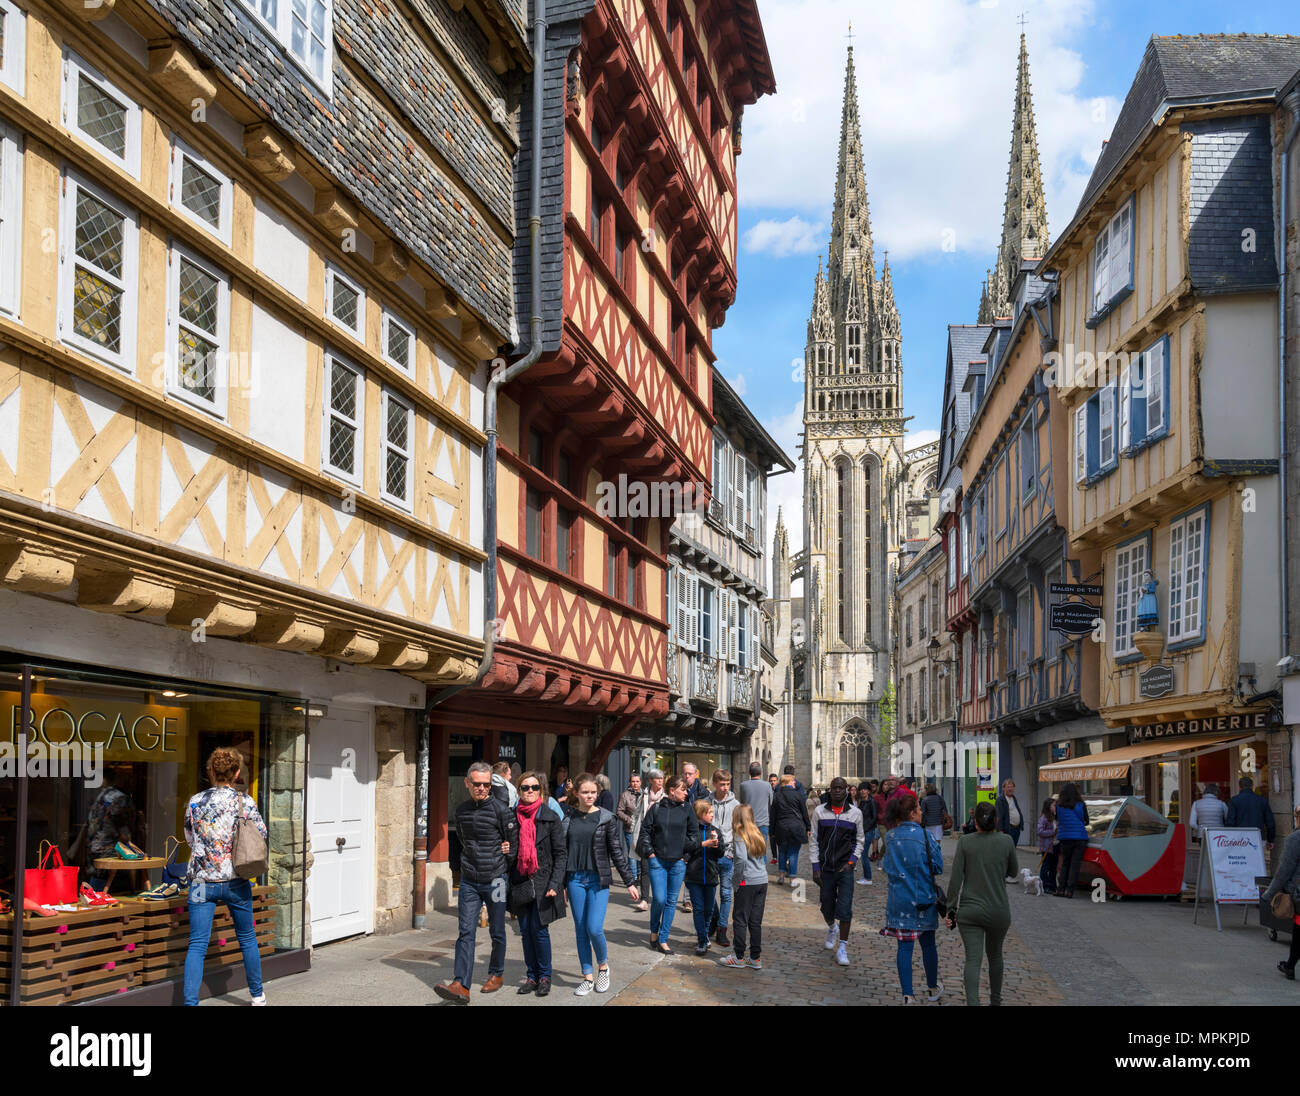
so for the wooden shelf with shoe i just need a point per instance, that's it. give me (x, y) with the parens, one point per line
(115, 864)
(76, 955)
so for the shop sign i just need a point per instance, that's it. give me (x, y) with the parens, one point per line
(1061, 751)
(1074, 618)
(127, 732)
(1083, 589)
(1156, 682)
(1252, 721)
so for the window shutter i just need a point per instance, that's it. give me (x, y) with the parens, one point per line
(1155, 387)
(1125, 402)
(1120, 250)
(753, 639)
(674, 625)
(1081, 444)
(1177, 577)
(738, 493)
(1106, 429)
(733, 628)
(1101, 270)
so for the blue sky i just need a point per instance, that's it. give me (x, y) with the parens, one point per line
(936, 82)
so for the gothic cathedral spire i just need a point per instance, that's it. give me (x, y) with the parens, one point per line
(1024, 215)
(851, 246)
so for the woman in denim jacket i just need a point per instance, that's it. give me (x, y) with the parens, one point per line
(910, 911)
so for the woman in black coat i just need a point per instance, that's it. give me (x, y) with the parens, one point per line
(790, 826)
(537, 880)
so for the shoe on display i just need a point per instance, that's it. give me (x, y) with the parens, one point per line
(832, 935)
(127, 851)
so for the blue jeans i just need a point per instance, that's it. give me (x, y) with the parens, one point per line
(537, 943)
(701, 909)
(589, 901)
(471, 898)
(665, 883)
(767, 839)
(633, 863)
(788, 860)
(929, 958)
(866, 852)
(721, 909)
(237, 896)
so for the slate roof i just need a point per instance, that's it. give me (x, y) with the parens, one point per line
(1208, 66)
(965, 341)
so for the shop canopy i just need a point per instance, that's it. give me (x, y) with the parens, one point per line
(1114, 764)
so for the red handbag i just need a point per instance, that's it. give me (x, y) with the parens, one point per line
(53, 883)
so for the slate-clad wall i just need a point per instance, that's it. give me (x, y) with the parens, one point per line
(564, 32)
(385, 155)
(1231, 191)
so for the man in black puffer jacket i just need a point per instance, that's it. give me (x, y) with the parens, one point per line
(489, 840)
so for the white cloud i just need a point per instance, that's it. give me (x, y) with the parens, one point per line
(793, 236)
(936, 82)
(919, 437)
(738, 384)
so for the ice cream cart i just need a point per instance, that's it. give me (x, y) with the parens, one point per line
(1133, 847)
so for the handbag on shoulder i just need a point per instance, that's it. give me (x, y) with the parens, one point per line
(248, 850)
(1282, 907)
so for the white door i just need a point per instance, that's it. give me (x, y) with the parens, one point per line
(340, 809)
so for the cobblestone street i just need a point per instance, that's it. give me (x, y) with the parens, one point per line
(1058, 952)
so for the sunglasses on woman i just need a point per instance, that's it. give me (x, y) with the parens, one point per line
(530, 787)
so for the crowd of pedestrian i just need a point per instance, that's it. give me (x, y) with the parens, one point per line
(679, 844)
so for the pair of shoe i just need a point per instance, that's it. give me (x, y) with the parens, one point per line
(1287, 972)
(541, 988)
(160, 893)
(1065, 894)
(735, 963)
(127, 851)
(93, 897)
(600, 984)
(457, 993)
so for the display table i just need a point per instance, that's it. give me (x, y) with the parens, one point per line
(73, 956)
(115, 864)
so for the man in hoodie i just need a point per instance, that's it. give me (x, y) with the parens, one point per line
(724, 806)
(836, 846)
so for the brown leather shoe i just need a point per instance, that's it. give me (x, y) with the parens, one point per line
(491, 985)
(454, 992)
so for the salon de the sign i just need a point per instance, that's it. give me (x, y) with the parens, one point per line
(1223, 724)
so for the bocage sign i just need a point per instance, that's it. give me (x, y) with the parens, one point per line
(127, 732)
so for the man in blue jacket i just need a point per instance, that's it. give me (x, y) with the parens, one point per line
(1248, 809)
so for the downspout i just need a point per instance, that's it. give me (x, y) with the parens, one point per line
(498, 378)
(1293, 105)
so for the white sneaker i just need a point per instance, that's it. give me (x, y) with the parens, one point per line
(842, 956)
(832, 935)
(864, 882)
(935, 993)
(260, 1000)
(909, 1000)
(584, 988)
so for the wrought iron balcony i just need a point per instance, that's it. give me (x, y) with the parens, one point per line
(751, 538)
(705, 686)
(740, 691)
(717, 511)
(674, 670)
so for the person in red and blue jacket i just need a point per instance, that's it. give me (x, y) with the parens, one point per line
(836, 847)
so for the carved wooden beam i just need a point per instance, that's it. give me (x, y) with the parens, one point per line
(268, 152)
(335, 210)
(287, 633)
(217, 617)
(349, 646)
(392, 260)
(476, 338)
(173, 68)
(124, 593)
(34, 571)
(401, 656)
(439, 302)
(89, 10)
(533, 683)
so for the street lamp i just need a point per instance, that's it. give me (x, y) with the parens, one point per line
(932, 649)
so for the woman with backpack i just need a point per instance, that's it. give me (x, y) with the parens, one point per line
(537, 880)
(1072, 836)
(594, 841)
(210, 821)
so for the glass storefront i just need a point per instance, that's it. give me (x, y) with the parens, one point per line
(107, 765)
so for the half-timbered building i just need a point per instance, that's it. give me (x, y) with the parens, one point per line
(608, 436)
(1169, 301)
(254, 257)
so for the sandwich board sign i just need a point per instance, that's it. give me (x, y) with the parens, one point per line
(1232, 858)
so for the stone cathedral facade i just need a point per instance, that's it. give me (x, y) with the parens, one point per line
(834, 642)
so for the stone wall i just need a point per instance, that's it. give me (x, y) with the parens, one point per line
(396, 747)
(289, 859)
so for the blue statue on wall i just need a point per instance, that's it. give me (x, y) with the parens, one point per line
(1148, 612)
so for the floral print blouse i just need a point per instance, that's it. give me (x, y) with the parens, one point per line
(210, 831)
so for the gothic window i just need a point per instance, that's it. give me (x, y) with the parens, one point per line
(844, 550)
(855, 761)
(853, 347)
(866, 548)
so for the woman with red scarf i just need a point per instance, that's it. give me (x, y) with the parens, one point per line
(537, 880)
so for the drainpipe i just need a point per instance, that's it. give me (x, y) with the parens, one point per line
(499, 378)
(1293, 105)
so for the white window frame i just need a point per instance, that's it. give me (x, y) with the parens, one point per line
(332, 274)
(73, 184)
(706, 613)
(390, 397)
(216, 406)
(11, 219)
(280, 24)
(754, 637)
(356, 476)
(1112, 258)
(180, 152)
(737, 485)
(13, 71)
(389, 322)
(1106, 428)
(721, 466)
(1081, 443)
(953, 537)
(73, 66)
(965, 542)
(742, 636)
(1131, 560)
(1185, 568)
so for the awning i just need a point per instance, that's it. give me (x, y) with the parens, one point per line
(1114, 764)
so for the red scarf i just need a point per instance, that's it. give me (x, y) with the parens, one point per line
(527, 862)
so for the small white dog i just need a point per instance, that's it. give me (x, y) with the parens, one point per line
(1033, 884)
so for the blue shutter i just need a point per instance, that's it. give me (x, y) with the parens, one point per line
(1094, 436)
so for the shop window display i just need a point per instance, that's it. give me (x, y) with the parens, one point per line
(111, 799)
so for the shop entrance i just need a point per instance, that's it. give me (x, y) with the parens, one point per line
(340, 806)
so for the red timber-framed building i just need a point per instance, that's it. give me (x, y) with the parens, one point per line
(640, 134)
